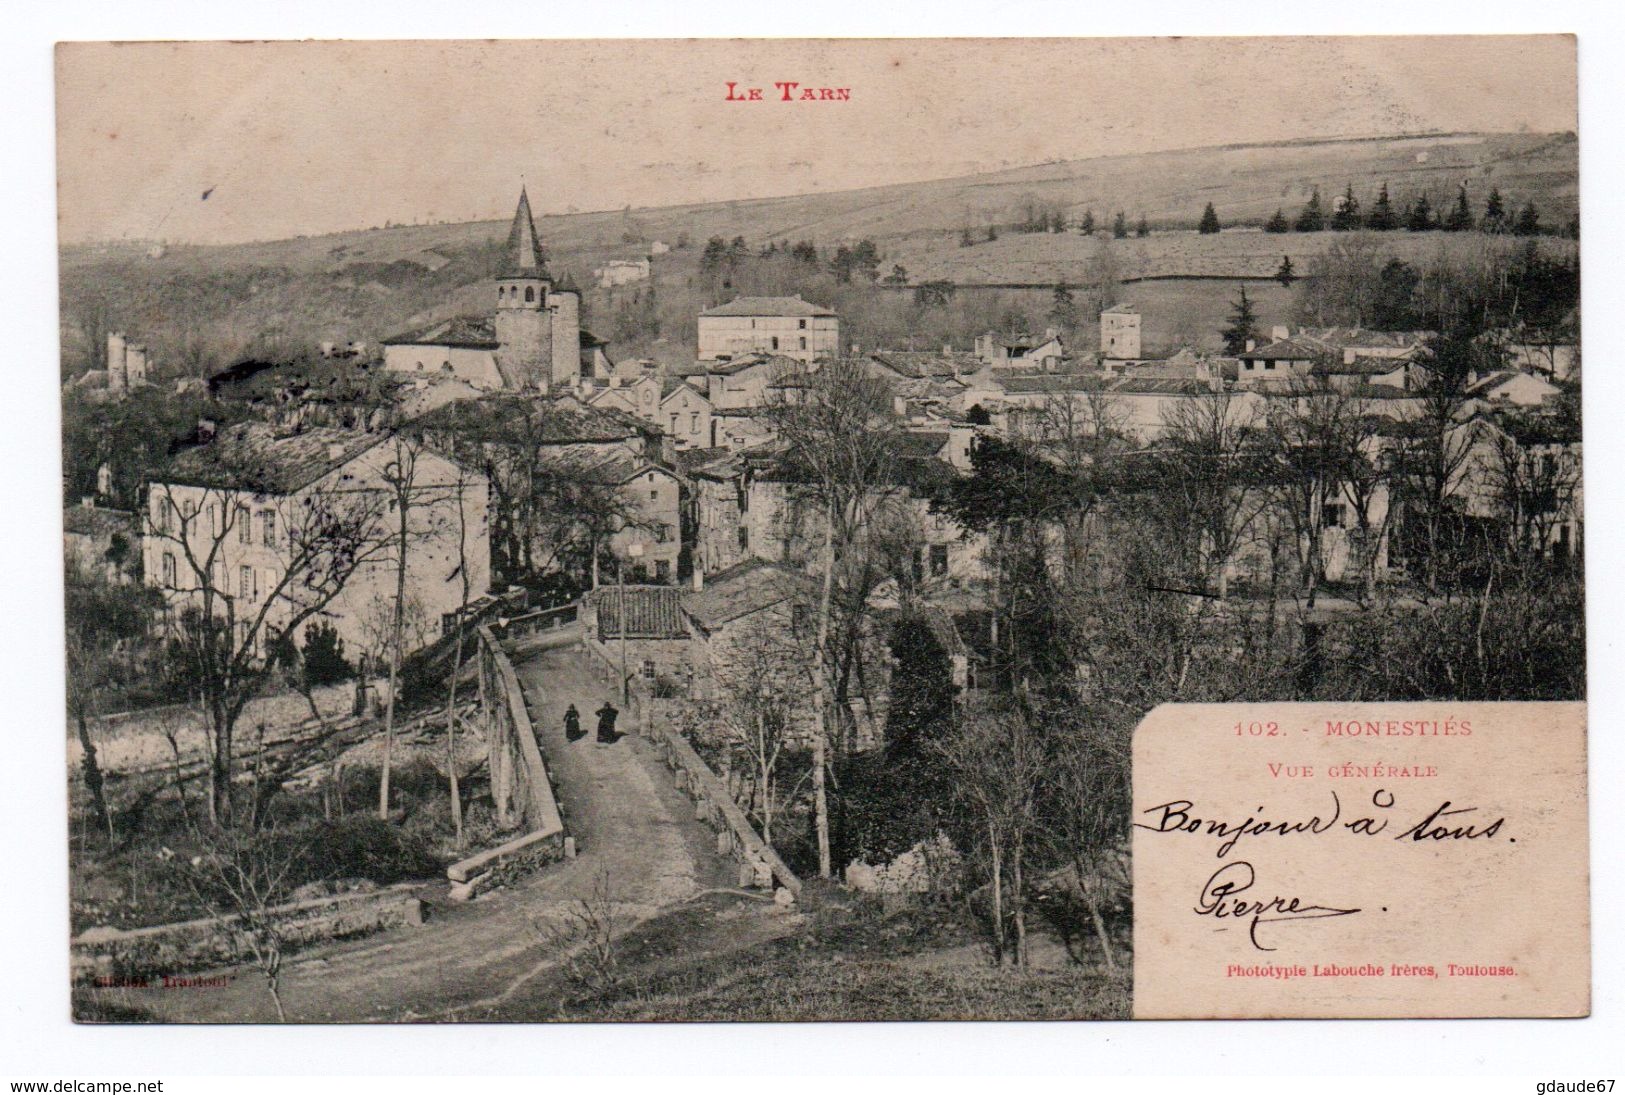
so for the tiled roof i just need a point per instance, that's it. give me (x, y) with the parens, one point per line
(1160, 386)
(671, 385)
(1344, 337)
(469, 332)
(921, 444)
(744, 588)
(257, 457)
(1054, 382)
(915, 365)
(711, 463)
(767, 306)
(751, 360)
(652, 612)
(595, 463)
(555, 420)
(1362, 365)
(1287, 349)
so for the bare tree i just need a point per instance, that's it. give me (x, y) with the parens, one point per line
(226, 632)
(1211, 480)
(997, 761)
(244, 876)
(835, 424)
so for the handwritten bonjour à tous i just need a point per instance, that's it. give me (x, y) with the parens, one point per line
(786, 91)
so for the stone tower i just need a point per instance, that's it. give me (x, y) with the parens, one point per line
(538, 321)
(524, 325)
(1120, 333)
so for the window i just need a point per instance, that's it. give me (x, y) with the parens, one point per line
(245, 583)
(801, 324)
(693, 422)
(530, 294)
(775, 341)
(648, 669)
(804, 342)
(245, 526)
(654, 496)
(939, 560)
(662, 534)
(662, 571)
(268, 528)
(160, 514)
(169, 569)
(744, 538)
(674, 422)
(1331, 515)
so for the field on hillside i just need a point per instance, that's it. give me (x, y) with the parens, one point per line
(201, 308)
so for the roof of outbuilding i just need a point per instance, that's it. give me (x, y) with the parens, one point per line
(767, 306)
(652, 612)
(96, 521)
(465, 332)
(1287, 349)
(742, 589)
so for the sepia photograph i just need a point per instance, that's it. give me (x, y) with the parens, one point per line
(602, 531)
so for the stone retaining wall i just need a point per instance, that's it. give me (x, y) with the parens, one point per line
(169, 949)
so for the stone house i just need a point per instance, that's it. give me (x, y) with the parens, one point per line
(773, 325)
(236, 523)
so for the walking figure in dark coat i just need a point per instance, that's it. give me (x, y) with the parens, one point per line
(572, 724)
(606, 723)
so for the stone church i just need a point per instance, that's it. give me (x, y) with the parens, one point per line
(531, 341)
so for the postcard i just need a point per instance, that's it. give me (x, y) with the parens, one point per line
(624, 530)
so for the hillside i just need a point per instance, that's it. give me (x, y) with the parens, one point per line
(201, 306)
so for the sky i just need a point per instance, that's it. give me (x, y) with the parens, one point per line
(220, 142)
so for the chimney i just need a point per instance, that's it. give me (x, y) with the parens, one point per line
(1278, 333)
(699, 580)
(1251, 345)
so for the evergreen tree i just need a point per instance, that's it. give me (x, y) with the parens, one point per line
(1461, 214)
(1120, 227)
(1346, 217)
(1243, 326)
(1057, 221)
(1210, 222)
(1277, 223)
(1529, 221)
(1393, 308)
(1420, 218)
(1311, 219)
(1382, 217)
(1087, 225)
(1495, 214)
(992, 232)
(842, 265)
(1284, 273)
(1063, 311)
(1143, 229)
(866, 260)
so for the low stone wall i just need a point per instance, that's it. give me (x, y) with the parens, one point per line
(759, 864)
(519, 781)
(168, 949)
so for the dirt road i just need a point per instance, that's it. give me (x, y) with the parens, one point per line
(635, 834)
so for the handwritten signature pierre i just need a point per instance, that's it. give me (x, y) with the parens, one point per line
(1218, 900)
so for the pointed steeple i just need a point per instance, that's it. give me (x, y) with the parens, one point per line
(523, 256)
